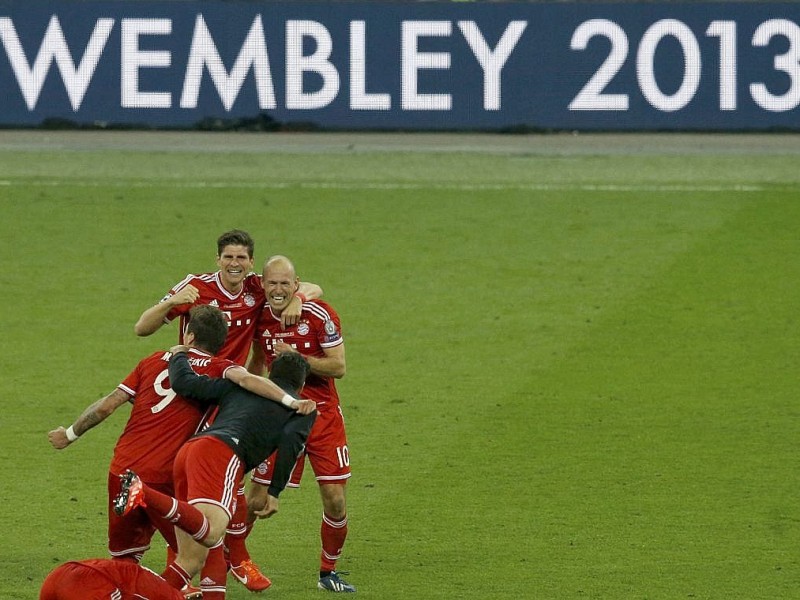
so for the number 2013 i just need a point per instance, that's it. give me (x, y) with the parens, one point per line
(592, 96)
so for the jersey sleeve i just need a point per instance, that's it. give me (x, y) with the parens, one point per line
(293, 438)
(130, 384)
(329, 332)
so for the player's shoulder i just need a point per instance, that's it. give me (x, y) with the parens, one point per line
(196, 279)
(320, 309)
(157, 357)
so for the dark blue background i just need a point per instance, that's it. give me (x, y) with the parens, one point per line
(539, 80)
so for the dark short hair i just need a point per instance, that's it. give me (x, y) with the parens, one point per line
(289, 371)
(236, 237)
(209, 327)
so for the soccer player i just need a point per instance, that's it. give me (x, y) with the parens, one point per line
(210, 466)
(159, 423)
(237, 291)
(104, 579)
(234, 289)
(317, 336)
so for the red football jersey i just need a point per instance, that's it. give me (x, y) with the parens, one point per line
(318, 328)
(102, 578)
(160, 421)
(241, 310)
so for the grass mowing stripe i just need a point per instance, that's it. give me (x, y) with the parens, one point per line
(543, 187)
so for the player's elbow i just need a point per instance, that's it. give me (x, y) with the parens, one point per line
(142, 329)
(339, 370)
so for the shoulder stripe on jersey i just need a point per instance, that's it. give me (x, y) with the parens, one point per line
(182, 283)
(317, 310)
(333, 345)
(127, 390)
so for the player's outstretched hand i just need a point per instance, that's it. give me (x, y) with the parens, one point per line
(305, 407)
(58, 438)
(270, 509)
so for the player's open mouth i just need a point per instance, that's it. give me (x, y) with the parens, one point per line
(278, 299)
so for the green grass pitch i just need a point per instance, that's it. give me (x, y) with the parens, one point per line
(572, 360)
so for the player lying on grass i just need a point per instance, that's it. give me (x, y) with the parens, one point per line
(210, 466)
(104, 579)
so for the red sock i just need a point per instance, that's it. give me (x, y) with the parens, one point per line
(214, 574)
(181, 514)
(176, 577)
(237, 532)
(333, 534)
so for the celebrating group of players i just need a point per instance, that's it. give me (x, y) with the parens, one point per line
(203, 415)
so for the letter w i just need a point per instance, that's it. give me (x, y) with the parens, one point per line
(54, 46)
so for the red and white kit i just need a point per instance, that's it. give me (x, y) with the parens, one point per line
(241, 310)
(159, 424)
(326, 447)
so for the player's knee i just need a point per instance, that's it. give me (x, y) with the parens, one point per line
(333, 501)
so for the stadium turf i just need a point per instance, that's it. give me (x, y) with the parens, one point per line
(571, 359)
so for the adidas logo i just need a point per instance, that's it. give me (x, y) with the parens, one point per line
(207, 582)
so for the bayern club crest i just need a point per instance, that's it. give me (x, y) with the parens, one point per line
(303, 329)
(249, 300)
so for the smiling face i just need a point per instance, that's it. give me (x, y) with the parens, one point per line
(234, 264)
(280, 283)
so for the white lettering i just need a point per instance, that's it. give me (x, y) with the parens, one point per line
(253, 54)
(413, 61)
(645, 70)
(318, 62)
(133, 59)
(492, 62)
(359, 98)
(54, 47)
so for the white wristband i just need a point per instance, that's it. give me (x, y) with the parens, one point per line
(71, 435)
(287, 400)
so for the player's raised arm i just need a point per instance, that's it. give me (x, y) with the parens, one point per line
(154, 317)
(95, 413)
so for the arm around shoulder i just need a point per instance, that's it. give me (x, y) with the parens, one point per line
(186, 382)
(310, 291)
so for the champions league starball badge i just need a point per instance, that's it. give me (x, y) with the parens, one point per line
(330, 327)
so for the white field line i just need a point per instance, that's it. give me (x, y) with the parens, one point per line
(357, 185)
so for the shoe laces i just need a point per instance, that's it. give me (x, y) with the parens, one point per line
(250, 568)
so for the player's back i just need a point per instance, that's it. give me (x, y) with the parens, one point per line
(160, 420)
